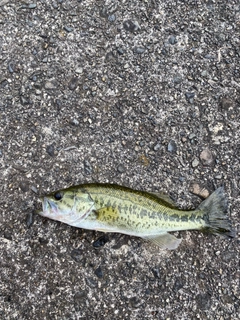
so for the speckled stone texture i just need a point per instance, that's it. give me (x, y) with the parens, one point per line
(139, 93)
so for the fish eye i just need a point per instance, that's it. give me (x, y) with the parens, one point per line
(57, 196)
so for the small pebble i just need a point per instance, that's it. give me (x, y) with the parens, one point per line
(195, 163)
(43, 240)
(190, 96)
(120, 51)
(91, 283)
(73, 83)
(103, 12)
(139, 50)
(172, 40)
(156, 147)
(24, 100)
(204, 73)
(121, 168)
(24, 186)
(50, 85)
(177, 79)
(101, 241)
(172, 147)
(77, 255)
(32, 5)
(7, 235)
(34, 189)
(195, 188)
(206, 157)
(75, 122)
(130, 25)
(87, 167)
(191, 136)
(54, 4)
(156, 272)
(98, 272)
(112, 18)
(144, 110)
(226, 103)
(10, 68)
(50, 150)
(79, 70)
(29, 219)
(134, 302)
(45, 45)
(68, 29)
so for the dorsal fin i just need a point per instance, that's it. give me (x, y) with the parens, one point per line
(165, 197)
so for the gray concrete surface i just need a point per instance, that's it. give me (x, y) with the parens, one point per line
(139, 93)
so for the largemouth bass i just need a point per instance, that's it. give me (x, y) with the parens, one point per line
(112, 208)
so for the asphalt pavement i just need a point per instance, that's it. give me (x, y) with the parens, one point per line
(144, 94)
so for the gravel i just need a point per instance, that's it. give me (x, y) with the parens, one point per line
(195, 163)
(126, 92)
(172, 146)
(207, 157)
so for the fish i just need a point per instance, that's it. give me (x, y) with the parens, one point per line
(151, 216)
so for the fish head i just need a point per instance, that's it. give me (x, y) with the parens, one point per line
(67, 205)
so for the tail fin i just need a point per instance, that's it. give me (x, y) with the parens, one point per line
(215, 209)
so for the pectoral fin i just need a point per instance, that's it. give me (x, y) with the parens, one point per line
(164, 241)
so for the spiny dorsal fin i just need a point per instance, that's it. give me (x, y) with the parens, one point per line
(164, 241)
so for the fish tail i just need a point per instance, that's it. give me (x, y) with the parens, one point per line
(215, 214)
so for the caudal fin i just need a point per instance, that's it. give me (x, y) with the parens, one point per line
(215, 209)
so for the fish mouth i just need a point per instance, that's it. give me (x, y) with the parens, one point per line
(48, 206)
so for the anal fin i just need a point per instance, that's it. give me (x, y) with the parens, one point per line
(164, 241)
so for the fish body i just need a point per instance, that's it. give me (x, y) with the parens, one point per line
(113, 208)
